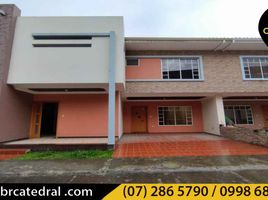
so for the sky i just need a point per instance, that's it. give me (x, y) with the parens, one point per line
(161, 18)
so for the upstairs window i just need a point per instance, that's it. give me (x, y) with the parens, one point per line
(255, 67)
(132, 62)
(182, 68)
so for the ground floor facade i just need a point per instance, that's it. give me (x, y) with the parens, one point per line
(87, 115)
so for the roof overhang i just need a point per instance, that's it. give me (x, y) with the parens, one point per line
(193, 44)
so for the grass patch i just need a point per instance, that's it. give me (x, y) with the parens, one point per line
(64, 155)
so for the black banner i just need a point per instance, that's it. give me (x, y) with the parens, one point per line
(56, 191)
(263, 27)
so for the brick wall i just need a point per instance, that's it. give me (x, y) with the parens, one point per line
(245, 135)
(222, 73)
(15, 107)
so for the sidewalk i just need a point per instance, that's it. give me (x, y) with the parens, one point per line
(220, 169)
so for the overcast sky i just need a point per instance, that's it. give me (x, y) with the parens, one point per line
(171, 18)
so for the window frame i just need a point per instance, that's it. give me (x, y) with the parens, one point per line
(242, 67)
(130, 57)
(201, 67)
(233, 105)
(192, 117)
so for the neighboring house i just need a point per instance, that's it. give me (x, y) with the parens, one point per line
(85, 79)
(15, 106)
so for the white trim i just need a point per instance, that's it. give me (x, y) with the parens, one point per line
(251, 100)
(200, 68)
(164, 80)
(242, 67)
(175, 115)
(162, 56)
(172, 100)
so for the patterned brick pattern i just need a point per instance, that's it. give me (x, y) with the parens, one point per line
(222, 73)
(198, 147)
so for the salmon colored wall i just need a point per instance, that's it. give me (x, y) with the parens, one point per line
(152, 117)
(148, 69)
(81, 115)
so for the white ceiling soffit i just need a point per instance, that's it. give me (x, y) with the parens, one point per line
(209, 44)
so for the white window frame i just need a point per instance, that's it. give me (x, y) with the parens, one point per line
(192, 117)
(233, 105)
(201, 78)
(133, 57)
(242, 67)
(200, 68)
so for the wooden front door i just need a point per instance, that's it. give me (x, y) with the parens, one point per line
(139, 119)
(265, 115)
(36, 118)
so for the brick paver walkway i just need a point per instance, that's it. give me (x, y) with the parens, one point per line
(169, 145)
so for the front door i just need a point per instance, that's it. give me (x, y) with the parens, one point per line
(265, 115)
(36, 117)
(139, 119)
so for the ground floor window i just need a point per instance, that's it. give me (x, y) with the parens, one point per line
(175, 115)
(238, 114)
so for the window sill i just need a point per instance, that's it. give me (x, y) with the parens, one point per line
(165, 80)
(256, 79)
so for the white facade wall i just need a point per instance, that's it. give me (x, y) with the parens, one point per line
(213, 115)
(65, 65)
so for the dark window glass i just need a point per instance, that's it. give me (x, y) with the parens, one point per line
(238, 115)
(132, 61)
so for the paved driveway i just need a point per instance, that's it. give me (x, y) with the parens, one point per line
(188, 144)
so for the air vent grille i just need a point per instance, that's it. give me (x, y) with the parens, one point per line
(62, 40)
(67, 89)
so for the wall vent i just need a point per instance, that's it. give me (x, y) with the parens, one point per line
(67, 89)
(62, 40)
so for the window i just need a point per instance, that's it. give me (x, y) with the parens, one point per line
(175, 115)
(181, 68)
(255, 67)
(132, 61)
(238, 114)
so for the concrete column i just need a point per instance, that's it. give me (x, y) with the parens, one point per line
(111, 99)
(213, 114)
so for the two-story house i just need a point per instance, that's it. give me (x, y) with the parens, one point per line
(85, 79)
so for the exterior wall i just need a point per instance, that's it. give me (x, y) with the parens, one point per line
(84, 115)
(120, 115)
(15, 107)
(222, 74)
(39, 65)
(152, 117)
(213, 115)
(147, 69)
(258, 118)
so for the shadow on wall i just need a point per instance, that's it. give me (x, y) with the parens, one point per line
(15, 111)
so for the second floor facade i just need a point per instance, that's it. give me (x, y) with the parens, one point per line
(74, 54)
(195, 70)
